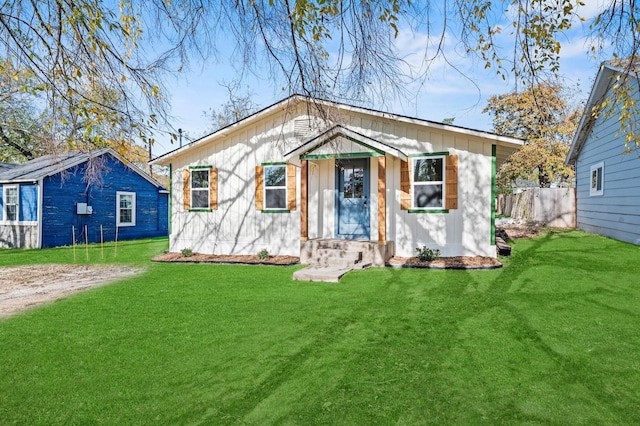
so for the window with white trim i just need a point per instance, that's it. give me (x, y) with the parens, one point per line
(125, 208)
(597, 180)
(275, 187)
(428, 182)
(10, 202)
(200, 188)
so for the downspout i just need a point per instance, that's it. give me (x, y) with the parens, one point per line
(40, 218)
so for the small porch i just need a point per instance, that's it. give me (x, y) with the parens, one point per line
(334, 251)
(333, 230)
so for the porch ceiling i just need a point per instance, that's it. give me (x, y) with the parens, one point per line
(339, 131)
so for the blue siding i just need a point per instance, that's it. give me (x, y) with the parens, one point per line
(1, 202)
(28, 202)
(616, 213)
(62, 193)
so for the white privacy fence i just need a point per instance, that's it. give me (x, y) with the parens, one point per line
(550, 206)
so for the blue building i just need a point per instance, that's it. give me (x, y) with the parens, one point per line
(54, 199)
(607, 179)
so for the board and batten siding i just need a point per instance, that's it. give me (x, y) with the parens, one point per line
(236, 227)
(465, 231)
(616, 213)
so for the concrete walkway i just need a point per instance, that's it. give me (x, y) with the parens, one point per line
(327, 274)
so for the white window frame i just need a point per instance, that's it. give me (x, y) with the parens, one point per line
(593, 188)
(5, 189)
(119, 195)
(205, 190)
(268, 188)
(441, 183)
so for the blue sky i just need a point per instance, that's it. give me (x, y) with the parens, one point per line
(445, 93)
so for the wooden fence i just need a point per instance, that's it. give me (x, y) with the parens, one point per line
(550, 206)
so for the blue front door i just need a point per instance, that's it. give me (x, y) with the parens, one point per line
(352, 203)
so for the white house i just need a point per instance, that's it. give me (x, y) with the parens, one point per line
(607, 179)
(306, 170)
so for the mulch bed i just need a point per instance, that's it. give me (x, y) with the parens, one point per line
(232, 259)
(455, 262)
(460, 262)
(507, 232)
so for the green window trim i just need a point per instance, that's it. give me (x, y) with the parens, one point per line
(428, 211)
(275, 211)
(274, 163)
(201, 210)
(200, 167)
(430, 154)
(340, 156)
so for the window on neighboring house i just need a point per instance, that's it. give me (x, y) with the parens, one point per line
(10, 203)
(597, 180)
(125, 209)
(428, 182)
(200, 188)
(275, 187)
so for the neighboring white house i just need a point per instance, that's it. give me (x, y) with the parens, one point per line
(607, 180)
(302, 170)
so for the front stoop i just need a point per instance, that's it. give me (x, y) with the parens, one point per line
(330, 259)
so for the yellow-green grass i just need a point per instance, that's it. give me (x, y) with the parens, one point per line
(551, 338)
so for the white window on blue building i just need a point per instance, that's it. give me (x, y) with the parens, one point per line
(125, 208)
(10, 204)
(597, 180)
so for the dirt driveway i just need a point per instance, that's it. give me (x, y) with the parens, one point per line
(22, 287)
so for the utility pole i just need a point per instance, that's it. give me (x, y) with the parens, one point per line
(150, 158)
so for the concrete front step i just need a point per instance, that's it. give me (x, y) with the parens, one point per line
(327, 274)
(335, 252)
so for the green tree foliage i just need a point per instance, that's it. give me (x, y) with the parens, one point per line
(336, 49)
(22, 135)
(543, 117)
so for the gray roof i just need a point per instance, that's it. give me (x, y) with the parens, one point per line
(49, 165)
(6, 166)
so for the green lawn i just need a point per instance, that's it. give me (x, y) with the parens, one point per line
(551, 338)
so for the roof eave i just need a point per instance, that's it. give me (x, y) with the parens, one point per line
(598, 90)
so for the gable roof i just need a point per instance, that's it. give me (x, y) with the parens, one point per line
(601, 86)
(503, 141)
(49, 165)
(338, 131)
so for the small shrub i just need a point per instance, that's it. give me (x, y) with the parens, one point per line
(426, 254)
(263, 254)
(186, 252)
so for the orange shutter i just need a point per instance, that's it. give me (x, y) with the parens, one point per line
(451, 202)
(291, 187)
(186, 189)
(259, 188)
(213, 189)
(405, 185)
